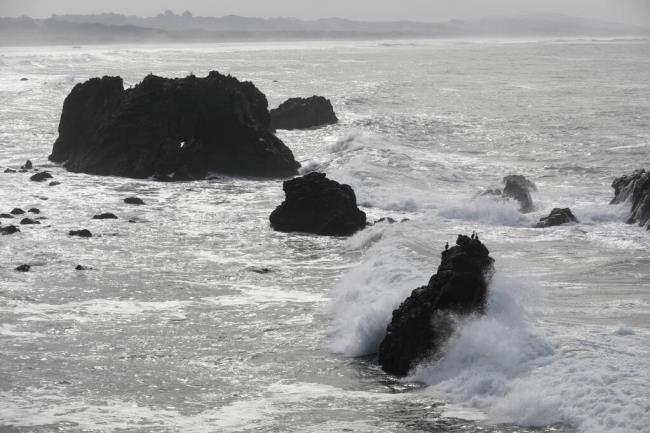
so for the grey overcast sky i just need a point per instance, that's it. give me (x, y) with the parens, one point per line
(627, 11)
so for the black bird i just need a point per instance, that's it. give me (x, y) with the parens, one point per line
(446, 246)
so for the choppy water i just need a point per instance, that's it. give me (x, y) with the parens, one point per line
(172, 330)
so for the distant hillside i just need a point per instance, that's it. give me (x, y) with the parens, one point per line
(170, 27)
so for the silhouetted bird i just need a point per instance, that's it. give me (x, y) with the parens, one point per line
(446, 246)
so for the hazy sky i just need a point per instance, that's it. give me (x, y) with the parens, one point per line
(629, 11)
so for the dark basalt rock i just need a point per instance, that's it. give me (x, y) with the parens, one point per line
(636, 189)
(133, 200)
(557, 217)
(28, 221)
(161, 126)
(17, 211)
(23, 268)
(34, 210)
(27, 165)
(303, 113)
(41, 176)
(105, 216)
(425, 320)
(6, 215)
(83, 233)
(315, 204)
(518, 188)
(9, 170)
(9, 230)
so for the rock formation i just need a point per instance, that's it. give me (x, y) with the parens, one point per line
(557, 217)
(425, 320)
(636, 189)
(303, 113)
(163, 127)
(518, 188)
(315, 204)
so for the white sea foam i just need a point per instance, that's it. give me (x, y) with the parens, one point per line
(487, 211)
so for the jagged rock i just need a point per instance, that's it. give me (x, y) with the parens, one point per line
(28, 221)
(34, 210)
(105, 216)
(133, 200)
(425, 320)
(9, 170)
(9, 230)
(41, 176)
(83, 233)
(17, 211)
(518, 188)
(164, 125)
(557, 217)
(303, 113)
(27, 165)
(23, 268)
(636, 189)
(315, 204)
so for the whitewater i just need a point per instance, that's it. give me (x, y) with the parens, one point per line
(178, 325)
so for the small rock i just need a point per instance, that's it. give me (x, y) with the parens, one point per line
(132, 221)
(10, 170)
(23, 268)
(82, 268)
(24, 79)
(261, 270)
(22, 170)
(41, 176)
(27, 221)
(388, 220)
(6, 215)
(55, 183)
(105, 216)
(9, 230)
(133, 200)
(34, 210)
(83, 233)
(17, 211)
(27, 165)
(557, 217)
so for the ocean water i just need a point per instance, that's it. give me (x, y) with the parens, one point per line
(173, 330)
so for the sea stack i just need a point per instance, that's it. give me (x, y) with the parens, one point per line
(303, 113)
(315, 204)
(635, 188)
(162, 127)
(425, 320)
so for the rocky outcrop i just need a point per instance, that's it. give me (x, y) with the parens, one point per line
(315, 204)
(425, 320)
(516, 187)
(41, 176)
(557, 217)
(164, 126)
(634, 188)
(303, 113)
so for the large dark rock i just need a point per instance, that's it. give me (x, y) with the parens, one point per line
(315, 204)
(9, 230)
(425, 320)
(557, 217)
(17, 211)
(518, 188)
(303, 113)
(636, 189)
(163, 126)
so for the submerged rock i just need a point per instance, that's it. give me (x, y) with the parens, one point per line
(41, 176)
(105, 216)
(28, 221)
(163, 125)
(82, 268)
(557, 217)
(315, 204)
(83, 233)
(34, 210)
(23, 268)
(133, 200)
(424, 321)
(635, 188)
(9, 170)
(9, 230)
(55, 183)
(518, 188)
(303, 113)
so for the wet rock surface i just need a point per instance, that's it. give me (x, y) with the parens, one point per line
(518, 188)
(303, 113)
(425, 320)
(557, 217)
(635, 188)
